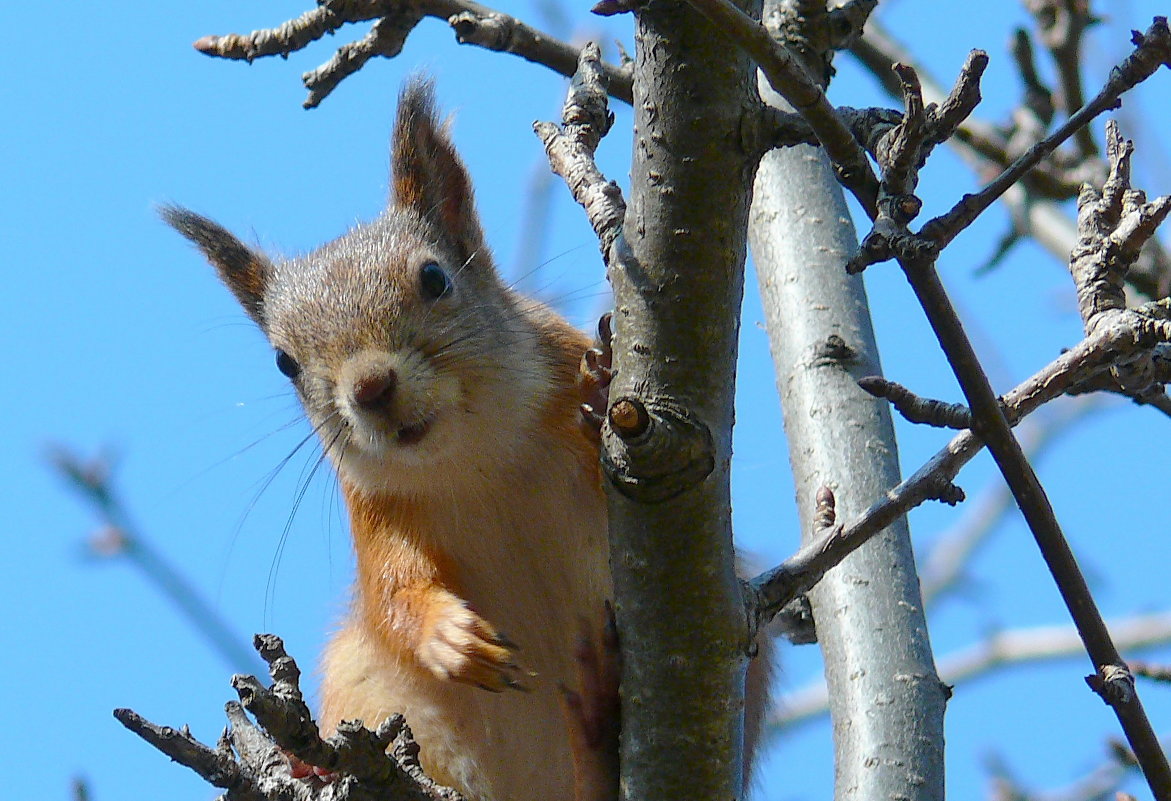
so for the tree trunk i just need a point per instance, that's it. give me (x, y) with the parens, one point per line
(678, 284)
(886, 700)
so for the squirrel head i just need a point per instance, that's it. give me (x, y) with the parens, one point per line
(404, 347)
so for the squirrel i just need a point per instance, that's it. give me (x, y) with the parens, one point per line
(450, 406)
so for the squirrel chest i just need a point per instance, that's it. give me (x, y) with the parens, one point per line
(448, 405)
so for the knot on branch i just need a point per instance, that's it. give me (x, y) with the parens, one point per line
(824, 509)
(655, 449)
(947, 492)
(1113, 683)
(889, 239)
(1135, 347)
(489, 30)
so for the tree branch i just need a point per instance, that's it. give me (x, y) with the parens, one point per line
(822, 341)
(679, 259)
(788, 78)
(252, 763)
(570, 147)
(1152, 50)
(472, 23)
(983, 146)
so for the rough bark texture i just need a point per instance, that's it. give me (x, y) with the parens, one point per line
(677, 272)
(886, 700)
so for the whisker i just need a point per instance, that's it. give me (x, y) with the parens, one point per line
(304, 482)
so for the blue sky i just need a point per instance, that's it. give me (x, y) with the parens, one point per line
(117, 335)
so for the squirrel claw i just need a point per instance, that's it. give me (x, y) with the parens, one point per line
(459, 645)
(595, 372)
(606, 330)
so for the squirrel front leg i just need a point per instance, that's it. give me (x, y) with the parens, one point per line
(405, 594)
(452, 641)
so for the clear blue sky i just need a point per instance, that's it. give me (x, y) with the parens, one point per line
(115, 333)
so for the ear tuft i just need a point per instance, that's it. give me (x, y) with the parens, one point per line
(244, 271)
(428, 175)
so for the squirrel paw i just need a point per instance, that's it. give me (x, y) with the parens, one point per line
(459, 645)
(593, 714)
(593, 379)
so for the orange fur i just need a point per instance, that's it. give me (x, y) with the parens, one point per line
(448, 405)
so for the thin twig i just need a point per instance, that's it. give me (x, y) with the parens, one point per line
(1061, 24)
(916, 409)
(585, 120)
(1152, 50)
(473, 24)
(983, 147)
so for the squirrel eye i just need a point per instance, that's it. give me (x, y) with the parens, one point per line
(287, 364)
(434, 281)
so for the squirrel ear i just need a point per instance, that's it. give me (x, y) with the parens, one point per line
(244, 271)
(427, 174)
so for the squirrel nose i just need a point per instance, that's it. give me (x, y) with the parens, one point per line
(374, 392)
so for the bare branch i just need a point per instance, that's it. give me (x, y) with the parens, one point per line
(847, 21)
(902, 151)
(983, 146)
(1038, 100)
(586, 119)
(916, 409)
(1152, 50)
(1151, 670)
(788, 77)
(252, 764)
(472, 23)
(1113, 225)
(1062, 23)
(385, 39)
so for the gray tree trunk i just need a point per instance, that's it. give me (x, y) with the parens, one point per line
(886, 700)
(678, 277)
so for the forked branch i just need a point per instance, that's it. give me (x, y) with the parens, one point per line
(472, 23)
(253, 762)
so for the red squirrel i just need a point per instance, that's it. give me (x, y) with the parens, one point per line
(448, 404)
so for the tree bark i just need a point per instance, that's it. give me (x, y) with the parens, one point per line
(886, 700)
(677, 273)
